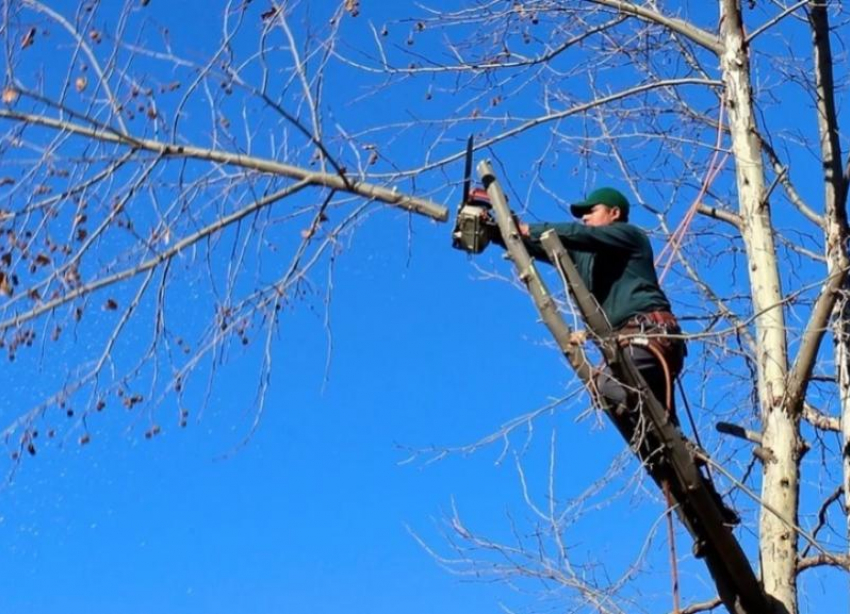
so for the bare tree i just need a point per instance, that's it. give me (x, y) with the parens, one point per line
(659, 95)
(131, 173)
(134, 167)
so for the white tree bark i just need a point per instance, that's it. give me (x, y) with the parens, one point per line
(780, 487)
(842, 363)
(842, 353)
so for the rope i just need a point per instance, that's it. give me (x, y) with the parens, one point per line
(665, 485)
(693, 425)
(668, 404)
(668, 378)
(674, 564)
(789, 523)
(678, 235)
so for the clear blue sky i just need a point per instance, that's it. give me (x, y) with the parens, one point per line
(316, 512)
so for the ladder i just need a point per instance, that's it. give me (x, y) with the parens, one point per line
(667, 455)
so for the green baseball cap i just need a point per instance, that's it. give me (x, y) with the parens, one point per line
(602, 196)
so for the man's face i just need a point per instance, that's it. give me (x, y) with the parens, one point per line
(600, 215)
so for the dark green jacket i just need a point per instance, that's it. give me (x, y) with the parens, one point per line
(614, 261)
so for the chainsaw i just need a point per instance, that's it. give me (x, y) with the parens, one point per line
(474, 226)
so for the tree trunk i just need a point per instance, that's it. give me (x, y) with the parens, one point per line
(835, 218)
(780, 487)
(841, 331)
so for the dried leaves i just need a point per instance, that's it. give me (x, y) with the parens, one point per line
(5, 284)
(10, 94)
(353, 7)
(28, 38)
(21, 337)
(272, 12)
(72, 276)
(131, 400)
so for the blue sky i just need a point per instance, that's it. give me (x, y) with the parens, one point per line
(431, 351)
(312, 514)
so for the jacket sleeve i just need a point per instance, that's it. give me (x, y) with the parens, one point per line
(532, 242)
(579, 237)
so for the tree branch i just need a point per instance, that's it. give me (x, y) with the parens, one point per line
(820, 420)
(559, 115)
(336, 182)
(790, 191)
(155, 261)
(81, 42)
(775, 20)
(835, 221)
(834, 497)
(690, 31)
(836, 189)
(721, 214)
(804, 364)
(705, 606)
(823, 560)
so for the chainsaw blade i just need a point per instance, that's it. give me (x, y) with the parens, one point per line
(467, 173)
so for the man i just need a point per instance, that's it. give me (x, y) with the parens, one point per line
(615, 261)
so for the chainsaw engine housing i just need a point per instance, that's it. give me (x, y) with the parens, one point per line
(473, 226)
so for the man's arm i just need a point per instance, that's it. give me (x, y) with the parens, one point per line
(585, 238)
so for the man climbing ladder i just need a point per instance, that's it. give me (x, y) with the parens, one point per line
(673, 462)
(614, 260)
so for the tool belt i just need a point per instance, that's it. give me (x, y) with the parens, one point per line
(663, 319)
(655, 329)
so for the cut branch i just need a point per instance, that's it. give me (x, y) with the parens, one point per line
(721, 214)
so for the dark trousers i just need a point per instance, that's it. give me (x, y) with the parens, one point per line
(617, 393)
(620, 398)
